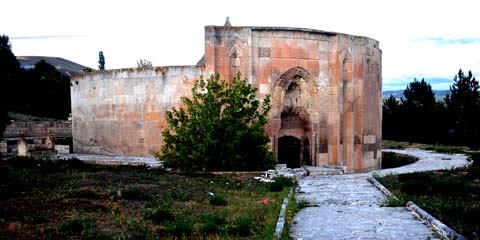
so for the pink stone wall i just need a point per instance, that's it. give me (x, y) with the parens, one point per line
(325, 89)
(340, 75)
(123, 111)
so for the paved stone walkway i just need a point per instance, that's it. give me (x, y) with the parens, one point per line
(348, 206)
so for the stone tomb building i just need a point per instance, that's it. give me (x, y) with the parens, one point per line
(325, 89)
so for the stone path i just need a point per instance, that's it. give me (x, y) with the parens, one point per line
(348, 206)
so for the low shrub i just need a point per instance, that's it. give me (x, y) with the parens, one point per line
(392, 201)
(212, 223)
(135, 193)
(179, 228)
(242, 226)
(450, 186)
(75, 163)
(301, 205)
(415, 187)
(281, 182)
(449, 149)
(218, 200)
(86, 193)
(426, 177)
(77, 226)
(159, 215)
(475, 157)
(23, 162)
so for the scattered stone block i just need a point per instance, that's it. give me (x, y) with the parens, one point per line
(22, 146)
(63, 149)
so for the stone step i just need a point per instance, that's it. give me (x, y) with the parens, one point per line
(325, 170)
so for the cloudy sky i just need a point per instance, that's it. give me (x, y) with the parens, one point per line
(419, 38)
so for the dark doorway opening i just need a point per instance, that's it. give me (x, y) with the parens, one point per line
(289, 151)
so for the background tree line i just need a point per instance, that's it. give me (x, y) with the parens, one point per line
(41, 91)
(418, 117)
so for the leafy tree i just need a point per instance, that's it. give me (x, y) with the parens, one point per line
(419, 96)
(418, 108)
(10, 71)
(9, 63)
(391, 105)
(463, 105)
(101, 61)
(219, 128)
(42, 91)
(391, 116)
(144, 63)
(415, 118)
(48, 94)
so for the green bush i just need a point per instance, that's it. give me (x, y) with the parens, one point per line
(221, 127)
(159, 215)
(415, 187)
(218, 200)
(420, 176)
(275, 187)
(243, 226)
(280, 183)
(212, 223)
(86, 193)
(476, 159)
(77, 226)
(179, 227)
(75, 163)
(135, 193)
(449, 149)
(301, 204)
(450, 186)
(391, 201)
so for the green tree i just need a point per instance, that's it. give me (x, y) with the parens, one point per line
(391, 118)
(144, 63)
(419, 96)
(219, 128)
(418, 113)
(48, 94)
(463, 105)
(101, 61)
(10, 72)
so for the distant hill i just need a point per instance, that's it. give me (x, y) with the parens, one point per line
(439, 94)
(61, 64)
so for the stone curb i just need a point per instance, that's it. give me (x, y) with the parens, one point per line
(281, 216)
(443, 230)
(381, 187)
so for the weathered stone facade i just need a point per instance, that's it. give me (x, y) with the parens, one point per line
(325, 89)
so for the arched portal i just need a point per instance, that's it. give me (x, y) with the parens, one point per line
(291, 117)
(289, 151)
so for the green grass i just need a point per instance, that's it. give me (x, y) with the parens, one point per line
(293, 208)
(453, 197)
(25, 117)
(392, 201)
(70, 199)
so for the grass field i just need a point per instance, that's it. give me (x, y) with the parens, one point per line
(453, 197)
(70, 199)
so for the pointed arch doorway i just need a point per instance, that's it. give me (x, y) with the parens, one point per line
(289, 149)
(291, 117)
